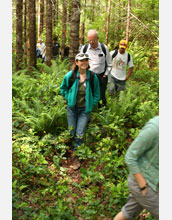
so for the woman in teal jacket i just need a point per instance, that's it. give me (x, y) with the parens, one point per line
(80, 96)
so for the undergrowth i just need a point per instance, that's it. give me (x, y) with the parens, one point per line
(42, 186)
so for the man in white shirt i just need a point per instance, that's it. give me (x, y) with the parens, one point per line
(99, 61)
(120, 60)
(42, 48)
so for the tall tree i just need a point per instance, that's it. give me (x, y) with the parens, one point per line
(41, 26)
(55, 9)
(83, 25)
(93, 9)
(108, 20)
(25, 32)
(48, 32)
(128, 20)
(19, 34)
(74, 30)
(64, 20)
(32, 33)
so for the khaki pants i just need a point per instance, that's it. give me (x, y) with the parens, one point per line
(137, 202)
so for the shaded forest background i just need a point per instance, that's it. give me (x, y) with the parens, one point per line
(137, 21)
(44, 185)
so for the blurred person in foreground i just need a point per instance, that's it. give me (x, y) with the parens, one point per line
(142, 159)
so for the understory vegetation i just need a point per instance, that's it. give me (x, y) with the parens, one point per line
(44, 185)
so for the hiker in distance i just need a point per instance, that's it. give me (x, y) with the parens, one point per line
(99, 62)
(118, 75)
(80, 87)
(142, 158)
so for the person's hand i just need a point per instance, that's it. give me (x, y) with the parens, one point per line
(104, 75)
(144, 191)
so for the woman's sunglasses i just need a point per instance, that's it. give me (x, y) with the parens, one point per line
(83, 55)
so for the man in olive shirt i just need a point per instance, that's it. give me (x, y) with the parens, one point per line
(142, 159)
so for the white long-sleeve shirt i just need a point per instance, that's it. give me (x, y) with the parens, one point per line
(97, 59)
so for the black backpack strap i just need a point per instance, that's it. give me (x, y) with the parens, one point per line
(91, 80)
(104, 51)
(129, 57)
(103, 48)
(85, 48)
(115, 53)
(72, 79)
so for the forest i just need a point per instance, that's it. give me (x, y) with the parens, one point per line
(44, 186)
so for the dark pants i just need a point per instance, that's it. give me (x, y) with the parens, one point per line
(103, 85)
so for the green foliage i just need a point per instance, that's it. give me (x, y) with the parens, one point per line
(43, 185)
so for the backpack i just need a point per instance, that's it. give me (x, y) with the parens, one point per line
(102, 46)
(116, 52)
(103, 49)
(91, 80)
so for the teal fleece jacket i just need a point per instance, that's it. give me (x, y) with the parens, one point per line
(143, 154)
(71, 94)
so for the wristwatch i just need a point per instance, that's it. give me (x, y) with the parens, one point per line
(142, 188)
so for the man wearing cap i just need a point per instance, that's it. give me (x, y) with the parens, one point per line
(120, 60)
(99, 62)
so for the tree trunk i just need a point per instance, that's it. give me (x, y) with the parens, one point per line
(83, 26)
(19, 34)
(48, 32)
(25, 33)
(108, 20)
(32, 33)
(64, 20)
(38, 17)
(55, 12)
(128, 21)
(69, 11)
(93, 9)
(41, 26)
(74, 31)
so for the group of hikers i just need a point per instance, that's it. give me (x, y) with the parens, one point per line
(83, 88)
(41, 50)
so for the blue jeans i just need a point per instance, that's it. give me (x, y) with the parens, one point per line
(77, 123)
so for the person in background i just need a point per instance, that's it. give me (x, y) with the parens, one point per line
(142, 158)
(55, 47)
(118, 76)
(66, 52)
(81, 96)
(99, 62)
(41, 50)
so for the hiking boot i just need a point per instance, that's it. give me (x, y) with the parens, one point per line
(76, 163)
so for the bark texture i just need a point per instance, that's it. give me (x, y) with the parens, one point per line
(108, 21)
(32, 33)
(74, 31)
(128, 21)
(19, 34)
(25, 33)
(64, 20)
(48, 32)
(41, 27)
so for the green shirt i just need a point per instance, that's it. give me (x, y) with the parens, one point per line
(143, 154)
(91, 99)
(80, 100)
